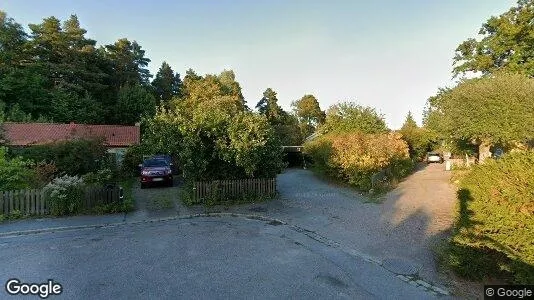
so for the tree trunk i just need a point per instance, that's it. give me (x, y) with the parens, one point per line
(483, 151)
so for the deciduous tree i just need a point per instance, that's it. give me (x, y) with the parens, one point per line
(489, 110)
(135, 102)
(507, 43)
(351, 117)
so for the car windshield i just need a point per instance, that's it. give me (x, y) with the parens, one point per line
(433, 154)
(155, 163)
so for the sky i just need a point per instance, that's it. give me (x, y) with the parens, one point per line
(392, 55)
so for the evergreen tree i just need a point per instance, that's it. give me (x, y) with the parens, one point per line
(268, 106)
(129, 63)
(167, 84)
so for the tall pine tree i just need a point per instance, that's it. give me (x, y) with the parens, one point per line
(167, 84)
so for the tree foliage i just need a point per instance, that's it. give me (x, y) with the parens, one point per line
(351, 117)
(507, 43)
(134, 102)
(490, 110)
(420, 140)
(55, 73)
(167, 84)
(211, 87)
(129, 63)
(285, 125)
(212, 134)
(268, 106)
(309, 113)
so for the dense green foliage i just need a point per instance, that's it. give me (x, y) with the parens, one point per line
(55, 73)
(419, 139)
(286, 126)
(309, 114)
(485, 111)
(496, 217)
(351, 117)
(505, 44)
(15, 173)
(76, 157)
(134, 103)
(212, 134)
(167, 84)
(356, 158)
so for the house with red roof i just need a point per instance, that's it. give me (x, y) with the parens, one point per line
(116, 138)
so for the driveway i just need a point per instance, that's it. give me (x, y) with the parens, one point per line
(199, 258)
(399, 232)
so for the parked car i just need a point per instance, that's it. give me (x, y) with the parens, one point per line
(164, 157)
(156, 171)
(434, 157)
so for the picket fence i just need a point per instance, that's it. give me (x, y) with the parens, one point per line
(34, 202)
(226, 189)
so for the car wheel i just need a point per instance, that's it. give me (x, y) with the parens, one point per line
(143, 185)
(170, 183)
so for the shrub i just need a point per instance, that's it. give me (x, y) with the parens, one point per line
(216, 141)
(64, 195)
(131, 160)
(45, 172)
(101, 177)
(75, 157)
(15, 173)
(355, 157)
(496, 213)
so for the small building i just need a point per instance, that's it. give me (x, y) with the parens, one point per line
(116, 138)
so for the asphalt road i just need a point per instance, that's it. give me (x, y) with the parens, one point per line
(198, 258)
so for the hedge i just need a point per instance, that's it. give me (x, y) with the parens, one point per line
(355, 157)
(496, 214)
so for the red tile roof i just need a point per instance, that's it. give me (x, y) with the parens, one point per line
(25, 134)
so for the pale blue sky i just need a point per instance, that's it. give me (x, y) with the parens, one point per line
(391, 55)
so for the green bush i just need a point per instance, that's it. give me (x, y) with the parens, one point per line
(496, 214)
(128, 203)
(75, 157)
(469, 262)
(15, 173)
(99, 177)
(357, 158)
(215, 140)
(131, 160)
(65, 195)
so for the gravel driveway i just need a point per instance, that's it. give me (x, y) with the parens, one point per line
(399, 231)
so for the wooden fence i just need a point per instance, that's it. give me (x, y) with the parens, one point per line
(228, 189)
(34, 202)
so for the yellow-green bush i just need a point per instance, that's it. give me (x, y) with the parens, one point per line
(496, 215)
(355, 157)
